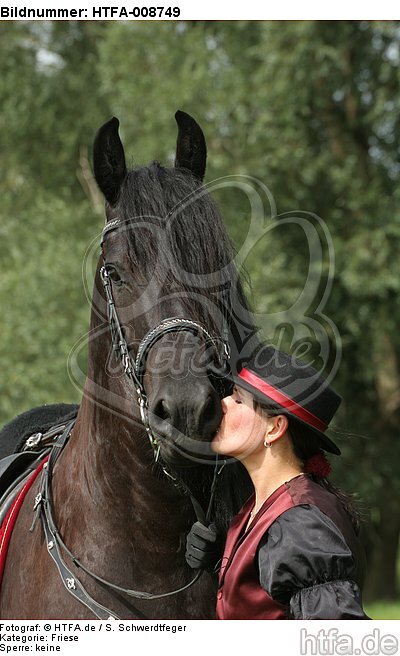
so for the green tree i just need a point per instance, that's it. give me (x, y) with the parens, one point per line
(51, 103)
(329, 94)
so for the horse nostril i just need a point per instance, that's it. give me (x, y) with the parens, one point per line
(162, 410)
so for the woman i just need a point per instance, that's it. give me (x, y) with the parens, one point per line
(292, 552)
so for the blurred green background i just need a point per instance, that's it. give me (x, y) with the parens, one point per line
(309, 108)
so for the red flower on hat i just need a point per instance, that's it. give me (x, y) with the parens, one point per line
(318, 465)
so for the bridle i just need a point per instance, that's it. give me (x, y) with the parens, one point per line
(134, 369)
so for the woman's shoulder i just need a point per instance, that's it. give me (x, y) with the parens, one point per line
(306, 521)
(304, 553)
(304, 491)
(303, 546)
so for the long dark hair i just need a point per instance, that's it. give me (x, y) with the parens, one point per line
(305, 445)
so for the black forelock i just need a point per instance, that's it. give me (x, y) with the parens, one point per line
(191, 233)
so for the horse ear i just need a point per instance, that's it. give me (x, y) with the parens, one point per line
(109, 160)
(191, 149)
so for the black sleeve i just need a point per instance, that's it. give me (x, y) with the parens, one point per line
(305, 564)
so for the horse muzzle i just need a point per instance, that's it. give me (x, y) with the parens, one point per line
(185, 418)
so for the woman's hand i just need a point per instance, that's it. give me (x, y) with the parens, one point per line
(202, 547)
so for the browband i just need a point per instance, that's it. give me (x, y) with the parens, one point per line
(109, 227)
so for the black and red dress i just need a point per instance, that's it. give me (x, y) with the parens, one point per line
(299, 559)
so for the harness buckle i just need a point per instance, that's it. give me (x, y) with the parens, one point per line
(126, 363)
(38, 500)
(33, 440)
(70, 583)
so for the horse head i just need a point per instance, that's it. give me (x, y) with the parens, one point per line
(167, 270)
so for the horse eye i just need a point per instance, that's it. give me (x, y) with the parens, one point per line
(114, 275)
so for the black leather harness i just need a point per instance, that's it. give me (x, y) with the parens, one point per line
(56, 545)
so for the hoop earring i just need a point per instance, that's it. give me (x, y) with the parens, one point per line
(267, 444)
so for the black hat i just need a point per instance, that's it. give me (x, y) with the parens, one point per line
(290, 385)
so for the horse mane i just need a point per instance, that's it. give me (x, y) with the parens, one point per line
(192, 235)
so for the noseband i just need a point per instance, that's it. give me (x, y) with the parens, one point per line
(135, 368)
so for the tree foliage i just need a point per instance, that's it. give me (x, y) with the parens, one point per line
(309, 108)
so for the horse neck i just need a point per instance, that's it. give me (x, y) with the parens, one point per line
(106, 484)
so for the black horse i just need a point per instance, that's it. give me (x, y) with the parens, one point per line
(121, 494)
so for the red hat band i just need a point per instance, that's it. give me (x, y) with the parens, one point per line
(282, 399)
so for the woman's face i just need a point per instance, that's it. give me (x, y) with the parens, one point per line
(242, 428)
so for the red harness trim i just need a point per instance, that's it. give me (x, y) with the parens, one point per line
(8, 524)
(285, 401)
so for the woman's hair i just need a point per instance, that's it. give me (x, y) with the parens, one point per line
(305, 445)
